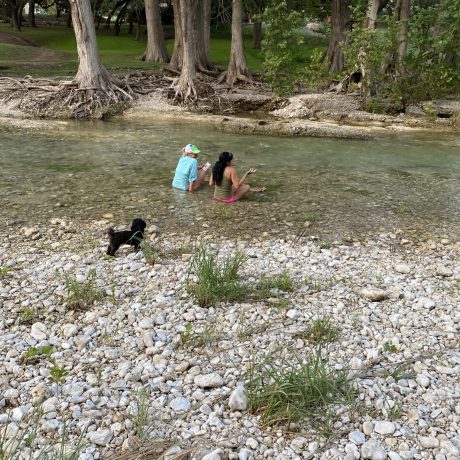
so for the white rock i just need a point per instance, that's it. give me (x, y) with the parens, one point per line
(372, 450)
(50, 426)
(101, 437)
(429, 442)
(383, 427)
(368, 428)
(402, 268)
(423, 380)
(216, 454)
(180, 404)
(357, 437)
(252, 443)
(373, 294)
(245, 454)
(69, 330)
(212, 380)
(38, 331)
(238, 400)
(394, 456)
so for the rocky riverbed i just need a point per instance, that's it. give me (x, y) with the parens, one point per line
(146, 362)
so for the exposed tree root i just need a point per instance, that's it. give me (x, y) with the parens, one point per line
(63, 99)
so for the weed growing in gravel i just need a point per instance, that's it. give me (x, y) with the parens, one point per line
(27, 315)
(282, 282)
(394, 412)
(217, 279)
(82, 295)
(143, 424)
(58, 374)
(4, 271)
(325, 245)
(279, 304)
(205, 337)
(25, 441)
(149, 251)
(322, 331)
(34, 355)
(286, 391)
(390, 348)
(313, 285)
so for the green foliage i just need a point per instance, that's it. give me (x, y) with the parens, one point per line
(57, 373)
(34, 355)
(82, 295)
(282, 282)
(149, 251)
(4, 271)
(204, 337)
(27, 315)
(322, 331)
(143, 423)
(390, 348)
(281, 38)
(284, 390)
(217, 279)
(433, 59)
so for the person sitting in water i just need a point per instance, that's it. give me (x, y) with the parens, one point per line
(228, 188)
(189, 176)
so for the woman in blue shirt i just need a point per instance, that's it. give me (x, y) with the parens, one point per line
(189, 176)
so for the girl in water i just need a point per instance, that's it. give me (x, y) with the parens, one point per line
(228, 188)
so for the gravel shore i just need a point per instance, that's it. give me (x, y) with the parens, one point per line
(121, 370)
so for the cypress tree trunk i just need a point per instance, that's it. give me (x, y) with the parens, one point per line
(341, 23)
(207, 28)
(91, 75)
(237, 67)
(404, 14)
(185, 86)
(257, 35)
(177, 56)
(32, 14)
(120, 18)
(373, 7)
(203, 63)
(156, 46)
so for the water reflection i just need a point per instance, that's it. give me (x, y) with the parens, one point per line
(125, 168)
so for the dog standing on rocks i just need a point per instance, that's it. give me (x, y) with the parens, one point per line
(132, 237)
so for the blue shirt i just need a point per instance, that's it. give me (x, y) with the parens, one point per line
(186, 172)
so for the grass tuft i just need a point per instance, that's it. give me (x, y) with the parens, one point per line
(284, 392)
(82, 295)
(322, 331)
(217, 278)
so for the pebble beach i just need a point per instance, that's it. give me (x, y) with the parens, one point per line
(145, 363)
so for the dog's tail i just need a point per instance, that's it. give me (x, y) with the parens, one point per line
(110, 231)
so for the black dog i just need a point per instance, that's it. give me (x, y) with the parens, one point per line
(132, 237)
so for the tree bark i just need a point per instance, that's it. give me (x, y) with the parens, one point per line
(373, 8)
(207, 28)
(404, 14)
(177, 56)
(341, 24)
(237, 67)
(69, 18)
(15, 15)
(91, 75)
(185, 86)
(32, 14)
(202, 61)
(257, 35)
(120, 18)
(156, 46)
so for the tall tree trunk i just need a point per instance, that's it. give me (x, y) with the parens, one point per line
(32, 14)
(15, 16)
(156, 46)
(185, 84)
(91, 75)
(207, 28)
(138, 19)
(373, 8)
(178, 55)
(120, 18)
(203, 63)
(341, 24)
(237, 67)
(69, 18)
(131, 22)
(257, 35)
(404, 14)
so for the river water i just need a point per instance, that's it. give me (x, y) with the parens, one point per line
(328, 188)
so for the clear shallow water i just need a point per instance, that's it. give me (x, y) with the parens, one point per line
(125, 168)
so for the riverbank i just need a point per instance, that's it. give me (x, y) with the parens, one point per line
(146, 360)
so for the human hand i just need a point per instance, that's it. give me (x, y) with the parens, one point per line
(251, 171)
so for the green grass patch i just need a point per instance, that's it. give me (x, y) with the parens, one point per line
(286, 391)
(282, 282)
(321, 332)
(216, 278)
(81, 295)
(203, 337)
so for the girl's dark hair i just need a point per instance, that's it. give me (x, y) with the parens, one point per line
(220, 165)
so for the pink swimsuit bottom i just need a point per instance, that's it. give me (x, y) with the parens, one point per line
(232, 199)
